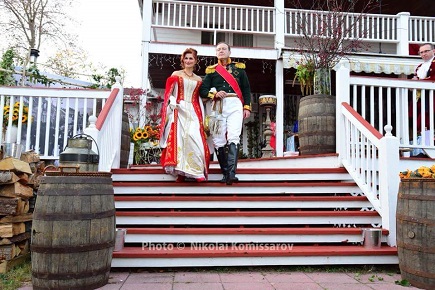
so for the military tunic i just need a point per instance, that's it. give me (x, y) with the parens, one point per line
(230, 119)
(214, 79)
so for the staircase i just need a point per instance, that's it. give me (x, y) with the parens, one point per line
(280, 213)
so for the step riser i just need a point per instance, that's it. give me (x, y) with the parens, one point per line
(349, 220)
(137, 238)
(253, 261)
(239, 188)
(318, 210)
(241, 204)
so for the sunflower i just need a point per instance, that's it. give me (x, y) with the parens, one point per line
(145, 135)
(137, 135)
(421, 172)
(15, 111)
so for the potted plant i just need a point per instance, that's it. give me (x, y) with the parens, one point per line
(325, 40)
(305, 76)
(145, 124)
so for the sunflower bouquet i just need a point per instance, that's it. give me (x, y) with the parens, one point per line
(144, 138)
(421, 172)
(15, 111)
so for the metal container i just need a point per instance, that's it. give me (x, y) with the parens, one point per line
(78, 153)
(12, 150)
(120, 239)
(372, 238)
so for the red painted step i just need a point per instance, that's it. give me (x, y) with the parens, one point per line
(249, 250)
(157, 169)
(244, 184)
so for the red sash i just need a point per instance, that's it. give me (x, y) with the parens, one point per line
(231, 80)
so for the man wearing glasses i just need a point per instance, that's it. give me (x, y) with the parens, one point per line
(426, 70)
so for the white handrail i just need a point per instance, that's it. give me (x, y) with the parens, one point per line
(370, 158)
(107, 129)
(372, 162)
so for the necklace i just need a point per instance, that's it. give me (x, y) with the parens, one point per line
(189, 75)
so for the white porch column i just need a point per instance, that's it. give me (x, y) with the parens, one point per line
(146, 39)
(279, 93)
(279, 107)
(403, 33)
(279, 25)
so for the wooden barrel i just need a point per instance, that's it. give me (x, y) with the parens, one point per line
(316, 124)
(415, 221)
(125, 141)
(73, 231)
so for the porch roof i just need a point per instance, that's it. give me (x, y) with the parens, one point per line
(368, 63)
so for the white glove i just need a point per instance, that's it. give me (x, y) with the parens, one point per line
(172, 102)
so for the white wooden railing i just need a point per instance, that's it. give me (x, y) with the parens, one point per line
(367, 108)
(213, 17)
(401, 29)
(299, 22)
(107, 129)
(385, 101)
(421, 29)
(53, 116)
(372, 160)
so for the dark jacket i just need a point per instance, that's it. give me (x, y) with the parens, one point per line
(214, 79)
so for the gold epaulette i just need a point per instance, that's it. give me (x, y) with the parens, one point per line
(211, 69)
(240, 65)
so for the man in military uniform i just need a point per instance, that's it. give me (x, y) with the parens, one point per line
(424, 71)
(227, 85)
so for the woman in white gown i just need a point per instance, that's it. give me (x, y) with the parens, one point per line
(185, 151)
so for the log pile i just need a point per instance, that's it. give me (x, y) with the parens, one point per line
(18, 182)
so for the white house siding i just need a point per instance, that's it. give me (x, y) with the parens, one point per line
(176, 36)
(266, 41)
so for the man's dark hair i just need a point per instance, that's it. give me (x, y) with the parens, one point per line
(427, 43)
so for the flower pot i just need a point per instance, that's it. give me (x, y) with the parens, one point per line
(11, 134)
(316, 125)
(415, 233)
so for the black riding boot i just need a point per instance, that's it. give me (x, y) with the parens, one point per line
(223, 163)
(233, 153)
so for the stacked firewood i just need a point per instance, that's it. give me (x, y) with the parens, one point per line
(18, 182)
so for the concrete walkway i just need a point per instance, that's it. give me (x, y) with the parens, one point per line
(250, 279)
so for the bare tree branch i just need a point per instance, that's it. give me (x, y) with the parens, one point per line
(333, 31)
(31, 22)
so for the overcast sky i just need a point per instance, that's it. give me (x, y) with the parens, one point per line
(110, 32)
